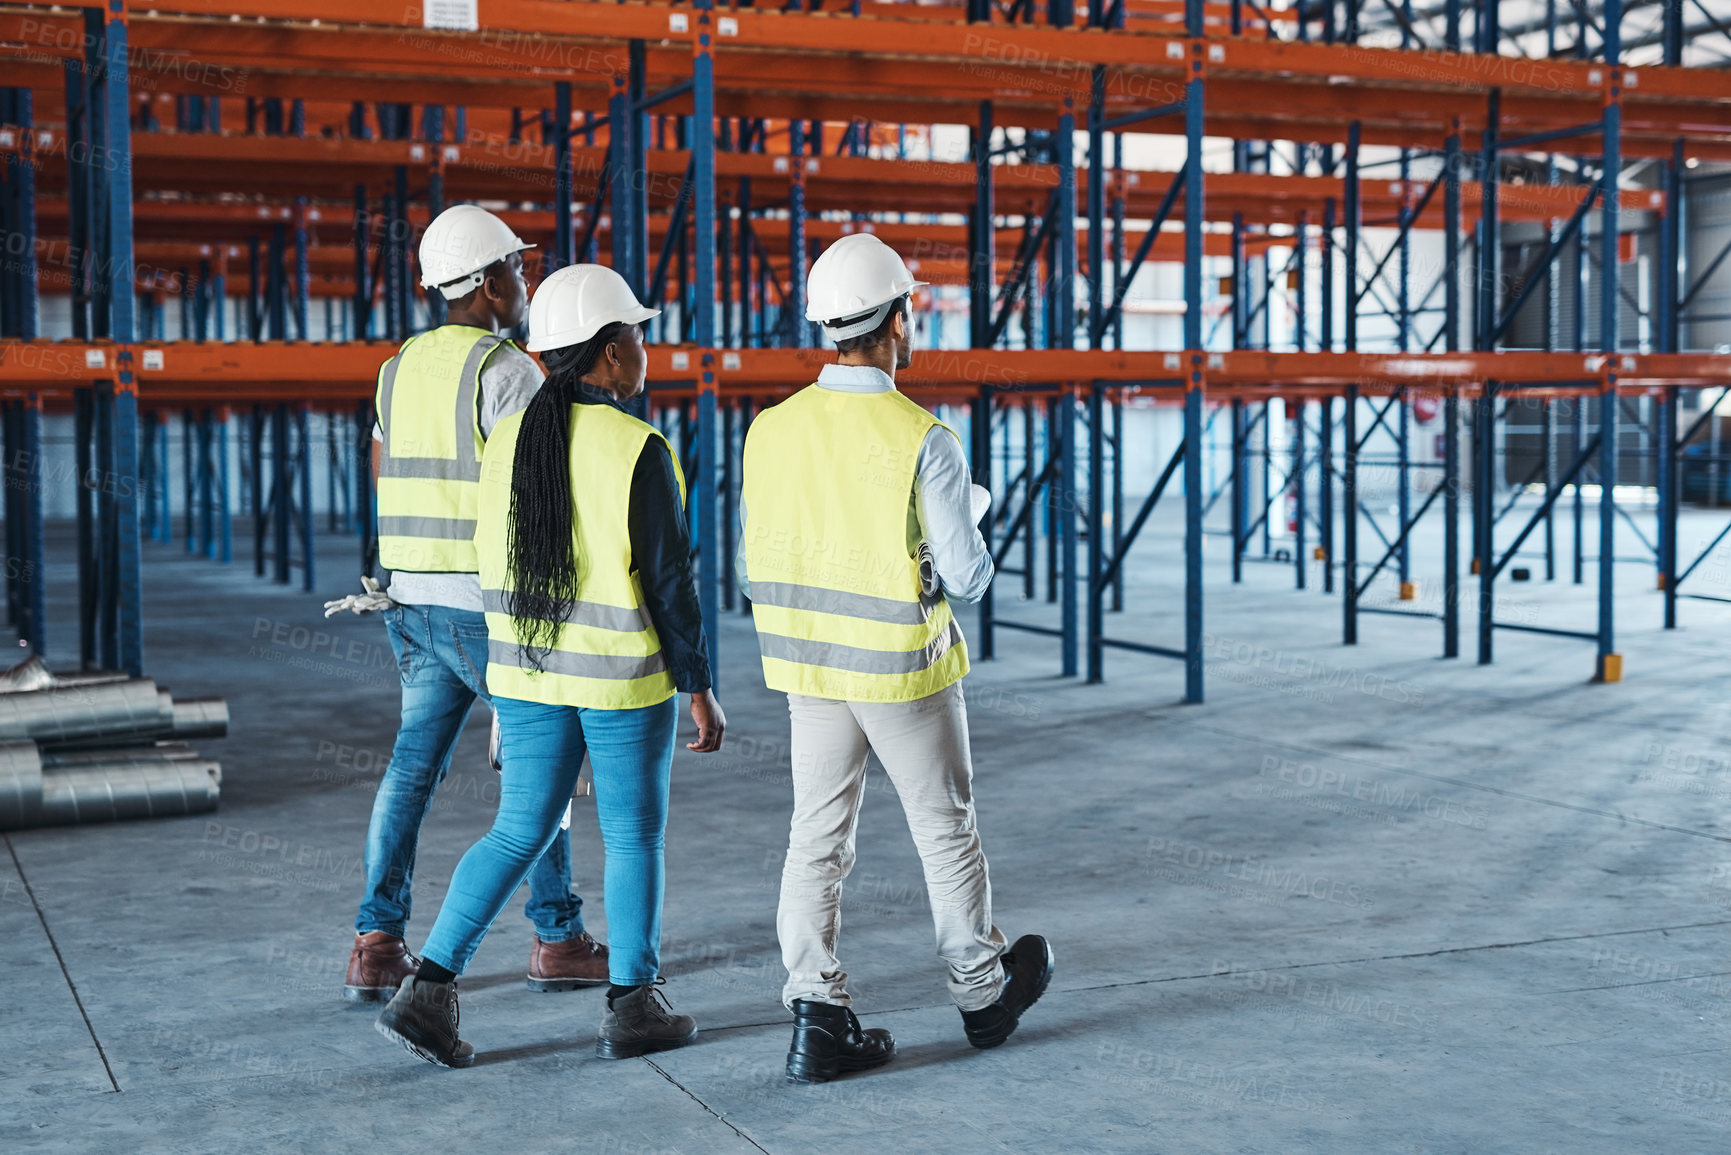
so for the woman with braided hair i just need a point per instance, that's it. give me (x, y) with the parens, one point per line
(593, 631)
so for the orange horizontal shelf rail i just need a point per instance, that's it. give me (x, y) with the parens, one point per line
(882, 66)
(206, 163)
(181, 372)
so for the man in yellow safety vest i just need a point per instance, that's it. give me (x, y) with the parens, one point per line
(438, 400)
(850, 491)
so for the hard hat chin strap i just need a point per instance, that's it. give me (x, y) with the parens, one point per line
(462, 287)
(857, 327)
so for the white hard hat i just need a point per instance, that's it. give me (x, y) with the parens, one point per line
(577, 302)
(460, 245)
(853, 283)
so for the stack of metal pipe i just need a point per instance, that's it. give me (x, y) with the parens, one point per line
(97, 747)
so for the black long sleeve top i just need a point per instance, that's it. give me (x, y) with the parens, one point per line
(661, 554)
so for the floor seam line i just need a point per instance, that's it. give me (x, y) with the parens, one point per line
(1645, 983)
(64, 973)
(722, 1119)
(1297, 966)
(1396, 957)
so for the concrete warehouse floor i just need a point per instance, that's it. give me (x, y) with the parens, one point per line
(1363, 900)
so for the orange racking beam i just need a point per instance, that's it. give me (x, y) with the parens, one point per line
(745, 370)
(209, 163)
(521, 31)
(782, 64)
(186, 372)
(210, 226)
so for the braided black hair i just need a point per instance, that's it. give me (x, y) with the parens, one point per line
(540, 550)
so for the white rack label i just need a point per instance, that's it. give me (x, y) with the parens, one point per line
(456, 15)
(153, 358)
(95, 359)
(682, 361)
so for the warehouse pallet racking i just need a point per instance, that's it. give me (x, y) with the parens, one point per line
(723, 221)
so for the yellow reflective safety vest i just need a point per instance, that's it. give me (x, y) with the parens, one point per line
(835, 592)
(607, 655)
(430, 458)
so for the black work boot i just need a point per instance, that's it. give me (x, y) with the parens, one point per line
(641, 1022)
(1027, 969)
(423, 1018)
(828, 1041)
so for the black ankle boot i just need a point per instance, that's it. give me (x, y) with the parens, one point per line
(1027, 969)
(828, 1041)
(423, 1018)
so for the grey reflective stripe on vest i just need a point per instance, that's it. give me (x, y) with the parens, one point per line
(388, 387)
(444, 528)
(428, 468)
(790, 596)
(856, 659)
(613, 667)
(464, 466)
(602, 617)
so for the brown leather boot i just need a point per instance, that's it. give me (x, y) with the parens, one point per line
(378, 964)
(564, 966)
(641, 1022)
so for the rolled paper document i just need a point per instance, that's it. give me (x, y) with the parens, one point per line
(928, 570)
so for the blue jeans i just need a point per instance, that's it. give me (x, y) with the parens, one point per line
(631, 753)
(442, 658)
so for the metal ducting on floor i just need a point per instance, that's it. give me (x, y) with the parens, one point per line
(157, 751)
(130, 788)
(72, 712)
(200, 718)
(101, 747)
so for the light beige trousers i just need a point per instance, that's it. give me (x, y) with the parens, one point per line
(923, 745)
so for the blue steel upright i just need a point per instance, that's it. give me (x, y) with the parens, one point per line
(1064, 280)
(1193, 256)
(709, 561)
(1609, 664)
(117, 176)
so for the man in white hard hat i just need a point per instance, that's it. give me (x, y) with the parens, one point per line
(850, 490)
(438, 401)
